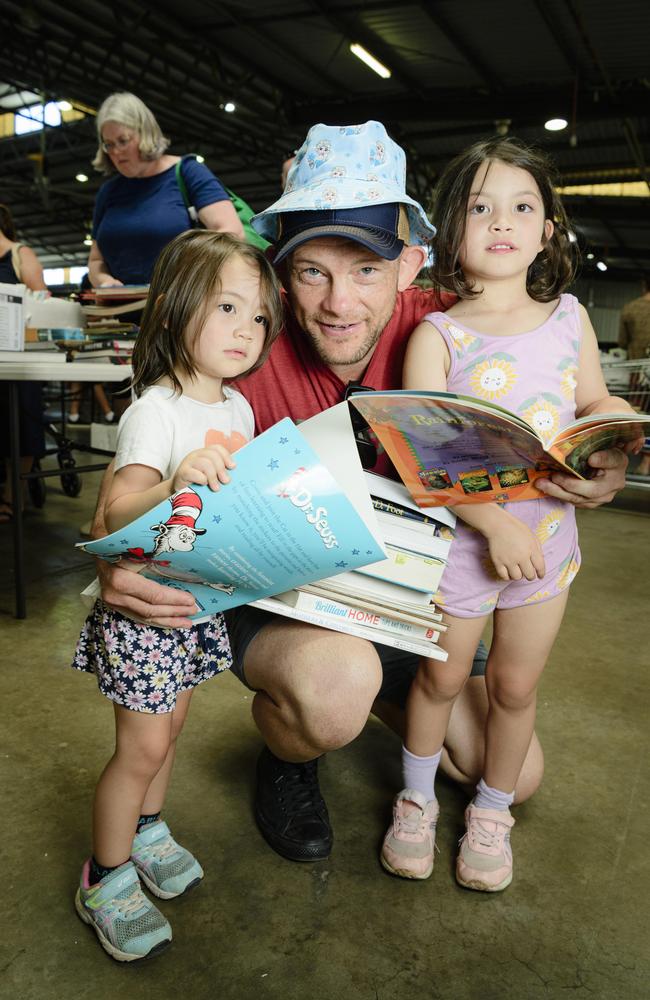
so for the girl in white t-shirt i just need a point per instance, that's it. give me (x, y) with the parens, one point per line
(213, 312)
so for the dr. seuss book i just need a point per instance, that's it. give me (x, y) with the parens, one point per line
(281, 521)
(451, 449)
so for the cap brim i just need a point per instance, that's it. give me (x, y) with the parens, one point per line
(379, 241)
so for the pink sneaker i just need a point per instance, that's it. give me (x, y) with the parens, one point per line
(411, 838)
(485, 857)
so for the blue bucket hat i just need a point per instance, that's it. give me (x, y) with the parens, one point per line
(349, 181)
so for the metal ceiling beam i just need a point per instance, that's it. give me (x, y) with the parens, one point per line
(523, 106)
(470, 54)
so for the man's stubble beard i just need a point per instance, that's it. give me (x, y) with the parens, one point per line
(364, 350)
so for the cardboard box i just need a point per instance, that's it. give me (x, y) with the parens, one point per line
(103, 436)
(12, 327)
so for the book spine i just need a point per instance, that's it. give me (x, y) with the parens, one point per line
(410, 515)
(421, 647)
(343, 612)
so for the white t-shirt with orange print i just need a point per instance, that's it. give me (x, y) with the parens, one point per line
(160, 428)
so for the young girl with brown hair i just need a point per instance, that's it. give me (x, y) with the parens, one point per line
(212, 314)
(516, 338)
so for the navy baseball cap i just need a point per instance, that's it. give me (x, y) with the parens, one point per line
(383, 229)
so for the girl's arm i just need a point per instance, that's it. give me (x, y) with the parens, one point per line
(31, 271)
(514, 550)
(137, 488)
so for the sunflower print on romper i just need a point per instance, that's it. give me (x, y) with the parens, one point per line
(568, 572)
(549, 524)
(542, 412)
(539, 595)
(489, 603)
(568, 382)
(493, 377)
(464, 342)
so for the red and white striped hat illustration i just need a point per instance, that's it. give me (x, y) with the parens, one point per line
(186, 507)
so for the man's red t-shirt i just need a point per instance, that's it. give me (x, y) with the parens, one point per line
(295, 383)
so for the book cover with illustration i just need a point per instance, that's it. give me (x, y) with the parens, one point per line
(451, 449)
(283, 520)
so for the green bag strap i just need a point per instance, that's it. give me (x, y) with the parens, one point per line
(242, 208)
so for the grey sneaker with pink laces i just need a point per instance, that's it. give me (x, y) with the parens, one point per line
(410, 840)
(485, 857)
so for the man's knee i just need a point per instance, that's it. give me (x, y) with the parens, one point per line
(332, 702)
(323, 687)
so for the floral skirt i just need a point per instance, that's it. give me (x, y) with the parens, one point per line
(143, 667)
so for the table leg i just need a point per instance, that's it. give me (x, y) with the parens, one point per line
(16, 488)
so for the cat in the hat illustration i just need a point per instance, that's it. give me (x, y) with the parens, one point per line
(177, 534)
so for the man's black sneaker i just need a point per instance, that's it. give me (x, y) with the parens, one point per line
(290, 810)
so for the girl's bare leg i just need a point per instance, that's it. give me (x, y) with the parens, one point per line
(157, 790)
(142, 743)
(522, 640)
(437, 684)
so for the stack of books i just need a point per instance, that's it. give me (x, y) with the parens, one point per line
(390, 601)
(114, 300)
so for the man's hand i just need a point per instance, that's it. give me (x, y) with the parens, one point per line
(150, 602)
(588, 493)
(204, 466)
(515, 551)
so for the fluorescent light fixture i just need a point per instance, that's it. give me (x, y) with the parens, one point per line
(82, 178)
(229, 106)
(555, 124)
(601, 265)
(200, 159)
(365, 57)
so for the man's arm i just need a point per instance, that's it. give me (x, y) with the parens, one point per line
(132, 593)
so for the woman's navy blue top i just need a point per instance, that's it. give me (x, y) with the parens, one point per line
(7, 273)
(135, 217)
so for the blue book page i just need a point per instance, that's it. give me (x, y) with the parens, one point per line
(282, 521)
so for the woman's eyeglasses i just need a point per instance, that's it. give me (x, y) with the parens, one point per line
(120, 143)
(362, 435)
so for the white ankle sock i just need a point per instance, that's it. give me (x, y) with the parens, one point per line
(420, 772)
(492, 798)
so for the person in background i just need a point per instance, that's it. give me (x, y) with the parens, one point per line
(634, 337)
(19, 265)
(634, 326)
(140, 208)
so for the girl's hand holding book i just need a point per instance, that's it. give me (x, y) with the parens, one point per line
(205, 466)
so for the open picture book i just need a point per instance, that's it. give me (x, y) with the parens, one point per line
(282, 520)
(450, 449)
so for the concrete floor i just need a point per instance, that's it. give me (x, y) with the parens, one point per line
(573, 924)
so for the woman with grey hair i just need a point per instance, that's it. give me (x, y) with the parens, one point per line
(140, 208)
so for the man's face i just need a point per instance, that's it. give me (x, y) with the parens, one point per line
(343, 296)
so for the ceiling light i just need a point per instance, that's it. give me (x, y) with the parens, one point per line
(374, 64)
(572, 236)
(590, 256)
(82, 178)
(229, 106)
(64, 105)
(88, 242)
(601, 265)
(555, 124)
(199, 158)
